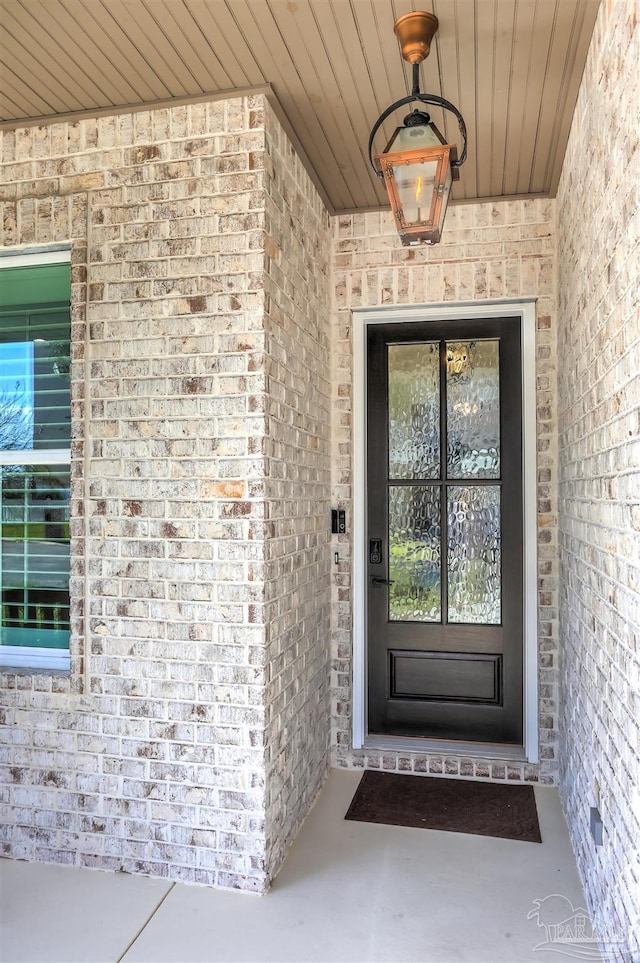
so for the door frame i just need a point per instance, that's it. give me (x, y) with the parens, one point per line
(523, 311)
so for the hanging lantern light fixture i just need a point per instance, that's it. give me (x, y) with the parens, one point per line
(418, 165)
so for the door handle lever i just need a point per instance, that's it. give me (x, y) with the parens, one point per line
(376, 580)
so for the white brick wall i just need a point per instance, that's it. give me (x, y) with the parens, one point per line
(152, 757)
(599, 421)
(298, 485)
(488, 251)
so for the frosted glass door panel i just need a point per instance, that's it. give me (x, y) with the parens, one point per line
(474, 554)
(414, 410)
(414, 553)
(473, 409)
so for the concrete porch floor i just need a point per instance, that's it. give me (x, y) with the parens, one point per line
(347, 892)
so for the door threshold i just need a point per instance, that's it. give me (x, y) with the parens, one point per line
(475, 750)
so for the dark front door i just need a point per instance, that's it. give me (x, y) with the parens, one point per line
(444, 504)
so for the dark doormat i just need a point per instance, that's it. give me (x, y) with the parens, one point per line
(454, 805)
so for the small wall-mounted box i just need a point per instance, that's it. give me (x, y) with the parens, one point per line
(338, 521)
(596, 826)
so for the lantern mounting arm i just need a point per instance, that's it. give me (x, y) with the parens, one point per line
(423, 99)
(415, 72)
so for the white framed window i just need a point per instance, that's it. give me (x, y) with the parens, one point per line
(35, 440)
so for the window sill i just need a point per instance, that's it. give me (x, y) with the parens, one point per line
(25, 670)
(31, 659)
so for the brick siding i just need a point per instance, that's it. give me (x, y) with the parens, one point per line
(298, 485)
(599, 422)
(151, 757)
(488, 251)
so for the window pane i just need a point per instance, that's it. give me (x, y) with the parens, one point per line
(16, 395)
(34, 561)
(35, 285)
(473, 409)
(474, 554)
(34, 381)
(414, 553)
(414, 410)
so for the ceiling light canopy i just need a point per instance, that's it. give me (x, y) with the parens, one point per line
(418, 165)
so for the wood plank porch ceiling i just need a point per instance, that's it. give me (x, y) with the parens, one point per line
(512, 67)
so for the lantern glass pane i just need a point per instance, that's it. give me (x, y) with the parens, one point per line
(415, 138)
(445, 198)
(415, 189)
